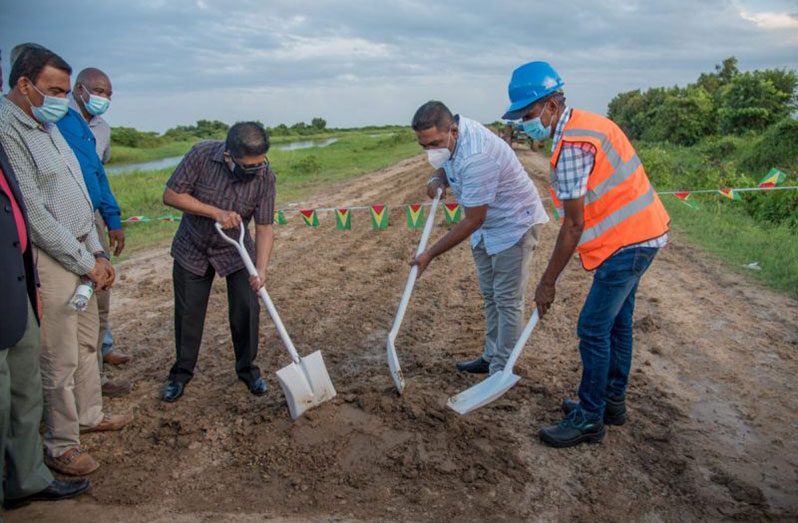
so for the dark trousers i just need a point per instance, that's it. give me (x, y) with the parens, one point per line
(191, 304)
(605, 328)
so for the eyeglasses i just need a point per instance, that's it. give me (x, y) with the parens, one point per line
(251, 168)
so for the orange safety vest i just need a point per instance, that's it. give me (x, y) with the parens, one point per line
(621, 206)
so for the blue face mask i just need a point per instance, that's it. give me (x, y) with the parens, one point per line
(96, 105)
(51, 110)
(535, 130)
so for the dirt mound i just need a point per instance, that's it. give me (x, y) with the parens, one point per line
(709, 398)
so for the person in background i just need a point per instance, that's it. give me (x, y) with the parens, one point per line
(21, 460)
(90, 98)
(67, 251)
(226, 182)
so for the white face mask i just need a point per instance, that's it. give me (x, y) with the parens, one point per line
(438, 157)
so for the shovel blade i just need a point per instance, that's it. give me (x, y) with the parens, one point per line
(305, 385)
(396, 369)
(483, 392)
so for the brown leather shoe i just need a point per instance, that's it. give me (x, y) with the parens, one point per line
(110, 422)
(115, 357)
(116, 388)
(73, 462)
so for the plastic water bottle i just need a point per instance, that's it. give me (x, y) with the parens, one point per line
(84, 292)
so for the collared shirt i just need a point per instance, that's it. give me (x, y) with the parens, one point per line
(484, 170)
(60, 212)
(204, 175)
(573, 169)
(76, 132)
(16, 211)
(99, 128)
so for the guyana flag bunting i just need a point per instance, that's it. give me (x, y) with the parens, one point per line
(730, 193)
(452, 213)
(310, 217)
(685, 198)
(415, 216)
(773, 178)
(558, 212)
(379, 217)
(343, 219)
(134, 219)
(279, 218)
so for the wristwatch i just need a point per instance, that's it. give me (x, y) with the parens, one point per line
(101, 254)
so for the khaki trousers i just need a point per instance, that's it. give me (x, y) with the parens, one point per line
(103, 298)
(70, 377)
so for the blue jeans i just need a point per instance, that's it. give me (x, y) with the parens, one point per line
(605, 328)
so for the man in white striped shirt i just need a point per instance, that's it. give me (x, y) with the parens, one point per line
(503, 216)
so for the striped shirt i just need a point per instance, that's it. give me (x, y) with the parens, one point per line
(573, 169)
(484, 170)
(60, 212)
(204, 175)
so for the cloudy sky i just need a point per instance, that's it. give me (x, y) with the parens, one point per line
(358, 62)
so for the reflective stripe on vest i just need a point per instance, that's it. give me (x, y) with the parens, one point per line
(622, 170)
(612, 220)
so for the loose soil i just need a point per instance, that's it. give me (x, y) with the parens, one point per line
(713, 415)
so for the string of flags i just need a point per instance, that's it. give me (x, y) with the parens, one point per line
(453, 213)
(772, 181)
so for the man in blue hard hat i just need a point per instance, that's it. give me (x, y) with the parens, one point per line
(614, 220)
(503, 218)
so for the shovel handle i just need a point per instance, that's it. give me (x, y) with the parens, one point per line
(242, 251)
(411, 279)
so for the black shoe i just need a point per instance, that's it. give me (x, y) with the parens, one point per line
(173, 390)
(56, 490)
(475, 366)
(614, 412)
(258, 387)
(575, 428)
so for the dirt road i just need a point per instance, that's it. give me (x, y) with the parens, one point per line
(713, 409)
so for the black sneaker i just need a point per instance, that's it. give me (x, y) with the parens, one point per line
(614, 412)
(476, 366)
(575, 428)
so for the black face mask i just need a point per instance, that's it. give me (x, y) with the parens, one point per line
(246, 174)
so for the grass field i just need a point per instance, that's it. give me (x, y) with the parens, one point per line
(738, 239)
(299, 173)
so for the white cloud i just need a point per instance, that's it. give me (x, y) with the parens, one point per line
(335, 47)
(771, 20)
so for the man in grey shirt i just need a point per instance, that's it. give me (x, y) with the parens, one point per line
(67, 251)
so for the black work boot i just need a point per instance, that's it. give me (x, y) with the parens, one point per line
(476, 366)
(614, 411)
(575, 428)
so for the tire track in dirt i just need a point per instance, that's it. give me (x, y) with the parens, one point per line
(712, 402)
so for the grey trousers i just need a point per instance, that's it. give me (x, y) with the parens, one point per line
(21, 457)
(502, 281)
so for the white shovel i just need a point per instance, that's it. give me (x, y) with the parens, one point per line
(493, 387)
(305, 381)
(393, 359)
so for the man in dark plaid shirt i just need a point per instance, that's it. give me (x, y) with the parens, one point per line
(228, 183)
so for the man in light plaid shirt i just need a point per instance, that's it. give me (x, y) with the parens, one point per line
(67, 251)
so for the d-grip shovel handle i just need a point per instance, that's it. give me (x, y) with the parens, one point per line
(242, 251)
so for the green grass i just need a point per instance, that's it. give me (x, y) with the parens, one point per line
(299, 174)
(738, 239)
(124, 154)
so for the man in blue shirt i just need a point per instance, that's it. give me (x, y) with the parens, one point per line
(84, 103)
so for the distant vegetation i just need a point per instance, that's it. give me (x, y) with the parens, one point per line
(727, 129)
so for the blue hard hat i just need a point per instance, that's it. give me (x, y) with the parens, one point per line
(530, 83)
